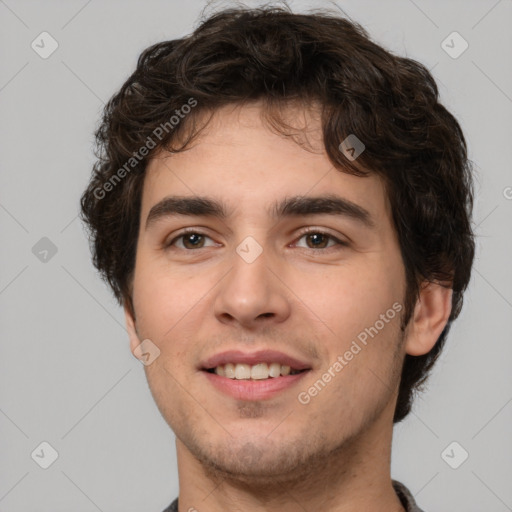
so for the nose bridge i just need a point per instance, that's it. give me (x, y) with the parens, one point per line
(251, 292)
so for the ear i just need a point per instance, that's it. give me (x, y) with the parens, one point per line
(430, 316)
(131, 329)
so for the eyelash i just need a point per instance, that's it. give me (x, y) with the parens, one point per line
(308, 231)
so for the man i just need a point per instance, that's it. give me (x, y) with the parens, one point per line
(283, 208)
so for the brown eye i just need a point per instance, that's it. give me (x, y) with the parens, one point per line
(189, 241)
(320, 240)
(317, 240)
(193, 240)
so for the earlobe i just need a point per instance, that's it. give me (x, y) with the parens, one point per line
(131, 329)
(430, 316)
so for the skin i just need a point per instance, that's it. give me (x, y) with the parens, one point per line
(309, 301)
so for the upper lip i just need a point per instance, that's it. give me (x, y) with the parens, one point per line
(252, 358)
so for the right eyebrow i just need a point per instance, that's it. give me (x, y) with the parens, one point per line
(194, 206)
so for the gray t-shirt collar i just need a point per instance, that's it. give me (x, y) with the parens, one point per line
(401, 491)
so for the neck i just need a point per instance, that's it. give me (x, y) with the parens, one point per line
(354, 477)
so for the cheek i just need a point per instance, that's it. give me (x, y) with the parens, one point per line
(348, 299)
(170, 303)
(159, 299)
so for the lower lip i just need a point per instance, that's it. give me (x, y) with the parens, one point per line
(253, 389)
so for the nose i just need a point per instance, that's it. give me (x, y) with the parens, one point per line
(251, 294)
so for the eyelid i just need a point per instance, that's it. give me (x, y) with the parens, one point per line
(322, 231)
(305, 231)
(176, 236)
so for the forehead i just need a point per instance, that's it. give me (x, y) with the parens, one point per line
(241, 161)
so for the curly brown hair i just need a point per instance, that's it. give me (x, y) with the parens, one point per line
(272, 55)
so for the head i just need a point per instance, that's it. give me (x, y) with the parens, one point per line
(249, 110)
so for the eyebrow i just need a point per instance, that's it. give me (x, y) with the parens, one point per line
(291, 206)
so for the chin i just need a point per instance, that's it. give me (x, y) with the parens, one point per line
(265, 463)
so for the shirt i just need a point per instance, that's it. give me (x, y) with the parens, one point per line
(401, 491)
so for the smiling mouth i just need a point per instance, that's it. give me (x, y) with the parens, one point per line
(259, 371)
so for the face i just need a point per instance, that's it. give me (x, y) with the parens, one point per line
(308, 284)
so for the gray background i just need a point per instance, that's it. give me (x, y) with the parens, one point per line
(67, 374)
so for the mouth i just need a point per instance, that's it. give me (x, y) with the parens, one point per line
(259, 371)
(253, 376)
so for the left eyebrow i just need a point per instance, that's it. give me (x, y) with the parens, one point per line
(326, 204)
(291, 206)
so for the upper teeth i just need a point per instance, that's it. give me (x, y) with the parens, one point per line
(257, 371)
